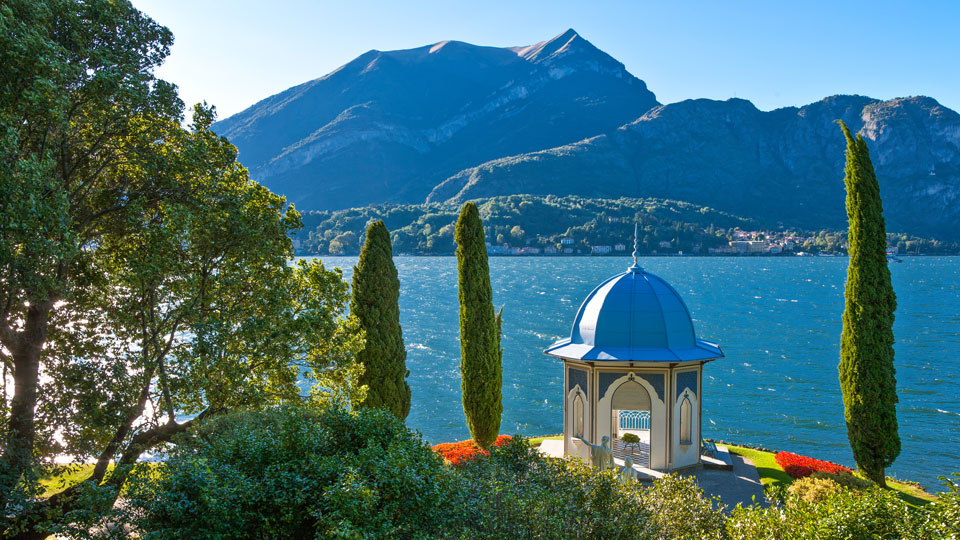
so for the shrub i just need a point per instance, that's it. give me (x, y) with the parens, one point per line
(518, 493)
(874, 513)
(941, 518)
(306, 473)
(813, 489)
(463, 451)
(798, 466)
(680, 510)
(847, 480)
(842, 515)
(296, 473)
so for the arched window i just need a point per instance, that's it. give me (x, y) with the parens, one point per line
(685, 412)
(578, 416)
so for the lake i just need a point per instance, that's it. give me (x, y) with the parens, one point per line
(777, 320)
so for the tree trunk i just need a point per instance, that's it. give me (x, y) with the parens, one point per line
(100, 470)
(21, 431)
(66, 500)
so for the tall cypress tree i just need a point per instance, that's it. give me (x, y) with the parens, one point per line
(867, 374)
(375, 302)
(481, 367)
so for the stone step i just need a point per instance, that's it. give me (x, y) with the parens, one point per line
(722, 460)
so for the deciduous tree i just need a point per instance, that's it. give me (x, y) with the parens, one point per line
(79, 107)
(141, 271)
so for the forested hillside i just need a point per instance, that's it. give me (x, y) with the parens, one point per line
(542, 222)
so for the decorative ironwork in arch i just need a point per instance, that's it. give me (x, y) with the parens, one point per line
(634, 420)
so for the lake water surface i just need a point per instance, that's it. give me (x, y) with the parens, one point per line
(777, 320)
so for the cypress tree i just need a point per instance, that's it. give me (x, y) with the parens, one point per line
(375, 302)
(481, 367)
(867, 374)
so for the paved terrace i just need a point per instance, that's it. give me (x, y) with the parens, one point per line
(733, 478)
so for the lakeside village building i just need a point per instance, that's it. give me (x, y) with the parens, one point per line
(740, 246)
(633, 365)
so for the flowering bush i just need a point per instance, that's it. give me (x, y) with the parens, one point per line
(463, 451)
(798, 466)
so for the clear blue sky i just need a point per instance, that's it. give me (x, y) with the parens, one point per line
(774, 53)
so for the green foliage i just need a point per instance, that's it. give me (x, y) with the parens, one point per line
(941, 518)
(321, 343)
(842, 515)
(481, 357)
(848, 481)
(530, 220)
(303, 473)
(680, 510)
(141, 270)
(80, 116)
(84, 133)
(375, 304)
(540, 222)
(518, 493)
(867, 373)
(296, 473)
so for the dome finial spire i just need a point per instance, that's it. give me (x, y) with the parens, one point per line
(636, 249)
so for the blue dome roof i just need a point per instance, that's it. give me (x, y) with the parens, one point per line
(634, 316)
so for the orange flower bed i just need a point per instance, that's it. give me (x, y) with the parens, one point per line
(798, 466)
(463, 451)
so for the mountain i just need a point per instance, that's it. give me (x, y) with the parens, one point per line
(452, 121)
(390, 126)
(783, 165)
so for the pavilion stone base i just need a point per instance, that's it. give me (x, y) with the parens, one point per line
(554, 449)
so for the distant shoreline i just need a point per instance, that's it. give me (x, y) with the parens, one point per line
(622, 256)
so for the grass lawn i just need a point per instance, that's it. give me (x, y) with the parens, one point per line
(771, 474)
(65, 476)
(535, 441)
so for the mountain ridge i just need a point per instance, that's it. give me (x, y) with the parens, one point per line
(451, 121)
(396, 120)
(786, 159)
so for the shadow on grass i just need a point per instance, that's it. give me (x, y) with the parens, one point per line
(771, 476)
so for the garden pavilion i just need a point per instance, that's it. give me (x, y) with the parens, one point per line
(633, 364)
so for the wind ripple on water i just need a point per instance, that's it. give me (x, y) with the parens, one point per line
(780, 329)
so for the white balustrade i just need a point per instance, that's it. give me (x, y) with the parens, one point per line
(634, 420)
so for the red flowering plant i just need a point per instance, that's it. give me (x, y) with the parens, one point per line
(463, 451)
(798, 466)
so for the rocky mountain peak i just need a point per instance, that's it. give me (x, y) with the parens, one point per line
(569, 52)
(564, 43)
